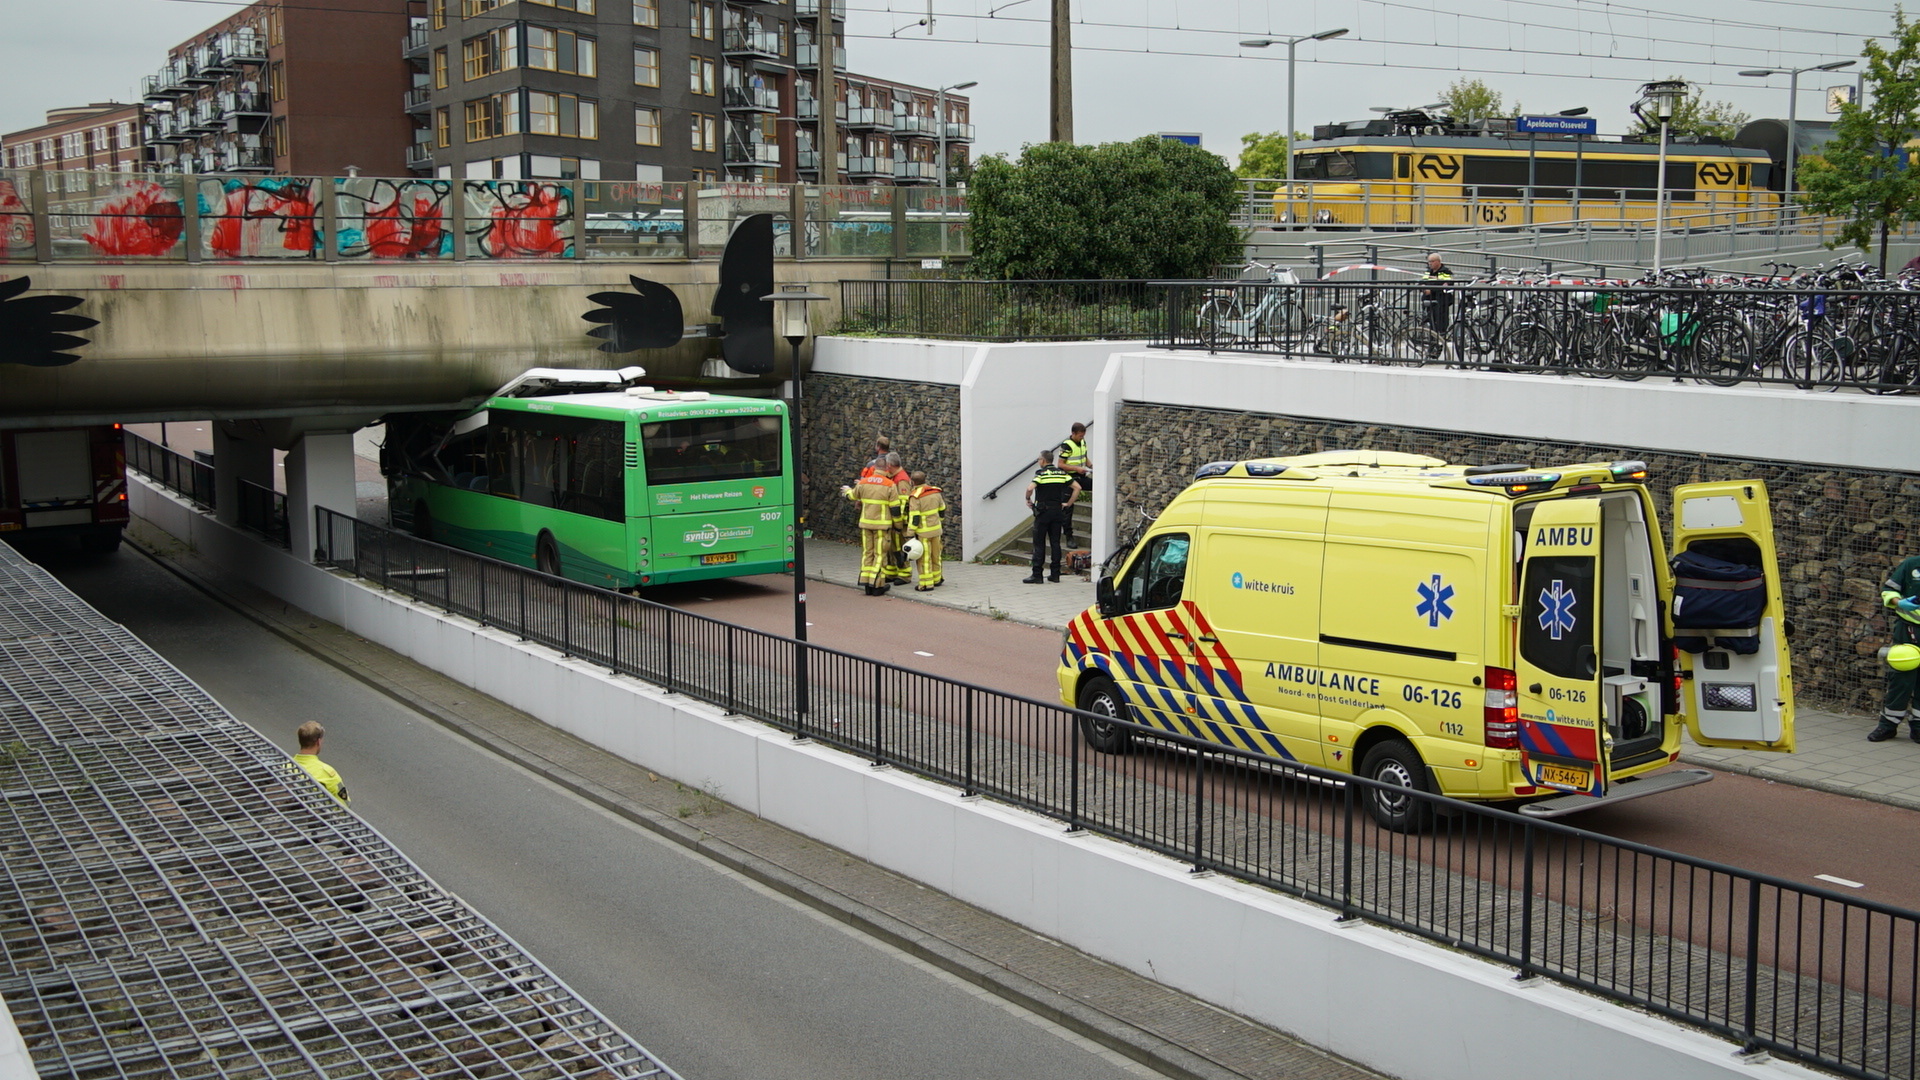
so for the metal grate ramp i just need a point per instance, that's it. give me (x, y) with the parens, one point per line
(177, 899)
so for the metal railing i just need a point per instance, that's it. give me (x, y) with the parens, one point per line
(1003, 310)
(263, 511)
(1812, 338)
(1774, 965)
(178, 473)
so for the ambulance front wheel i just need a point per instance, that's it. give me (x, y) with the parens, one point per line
(1395, 763)
(1101, 698)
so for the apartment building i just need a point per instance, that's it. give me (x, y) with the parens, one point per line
(311, 88)
(103, 136)
(657, 90)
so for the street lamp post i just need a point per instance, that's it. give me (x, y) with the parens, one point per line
(940, 118)
(1665, 97)
(1261, 43)
(796, 326)
(1793, 109)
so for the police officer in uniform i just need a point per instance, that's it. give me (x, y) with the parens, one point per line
(1900, 594)
(1050, 495)
(1074, 458)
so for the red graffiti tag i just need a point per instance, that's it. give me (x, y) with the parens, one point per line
(528, 225)
(143, 220)
(394, 233)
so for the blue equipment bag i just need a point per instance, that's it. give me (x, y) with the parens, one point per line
(1720, 600)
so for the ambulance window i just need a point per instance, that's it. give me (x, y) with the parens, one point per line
(1557, 615)
(1159, 576)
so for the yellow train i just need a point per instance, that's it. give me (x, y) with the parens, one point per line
(1413, 171)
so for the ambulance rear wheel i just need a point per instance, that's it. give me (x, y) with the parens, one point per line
(1397, 764)
(1101, 698)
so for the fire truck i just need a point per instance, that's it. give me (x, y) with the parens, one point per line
(64, 482)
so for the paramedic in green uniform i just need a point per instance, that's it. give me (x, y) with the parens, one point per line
(1900, 594)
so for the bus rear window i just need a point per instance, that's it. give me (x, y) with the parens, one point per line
(709, 448)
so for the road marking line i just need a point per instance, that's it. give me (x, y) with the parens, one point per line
(1841, 881)
(917, 652)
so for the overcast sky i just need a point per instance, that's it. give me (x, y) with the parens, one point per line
(1142, 66)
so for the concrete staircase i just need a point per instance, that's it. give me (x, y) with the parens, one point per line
(1016, 547)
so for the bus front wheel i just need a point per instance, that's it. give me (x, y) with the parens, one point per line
(546, 555)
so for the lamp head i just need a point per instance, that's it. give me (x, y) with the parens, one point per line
(960, 86)
(1759, 73)
(1835, 66)
(1329, 35)
(1258, 43)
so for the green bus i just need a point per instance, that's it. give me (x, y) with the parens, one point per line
(584, 475)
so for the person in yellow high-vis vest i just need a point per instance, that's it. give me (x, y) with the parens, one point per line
(1900, 595)
(1073, 457)
(875, 493)
(309, 736)
(925, 507)
(893, 568)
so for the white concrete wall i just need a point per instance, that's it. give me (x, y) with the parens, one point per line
(1391, 1002)
(1016, 399)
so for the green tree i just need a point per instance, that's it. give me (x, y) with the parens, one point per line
(1263, 155)
(1150, 208)
(1865, 176)
(1695, 115)
(1470, 99)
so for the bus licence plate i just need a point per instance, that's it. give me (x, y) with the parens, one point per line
(1561, 776)
(723, 557)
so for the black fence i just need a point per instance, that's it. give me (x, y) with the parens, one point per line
(1003, 310)
(263, 511)
(1865, 339)
(1774, 965)
(178, 473)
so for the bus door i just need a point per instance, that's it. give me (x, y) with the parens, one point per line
(1557, 663)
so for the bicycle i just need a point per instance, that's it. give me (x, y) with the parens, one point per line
(1225, 318)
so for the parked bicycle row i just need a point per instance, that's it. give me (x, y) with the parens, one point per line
(1837, 327)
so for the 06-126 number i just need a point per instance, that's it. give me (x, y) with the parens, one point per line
(1435, 696)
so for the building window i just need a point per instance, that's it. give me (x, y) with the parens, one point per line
(646, 127)
(487, 54)
(276, 31)
(702, 72)
(471, 8)
(700, 19)
(440, 76)
(437, 10)
(646, 12)
(277, 80)
(646, 66)
(701, 132)
(443, 127)
(282, 142)
(73, 145)
(705, 176)
(482, 122)
(584, 7)
(561, 50)
(47, 156)
(562, 114)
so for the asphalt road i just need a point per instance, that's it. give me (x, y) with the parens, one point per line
(1791, 832)
(718, 976)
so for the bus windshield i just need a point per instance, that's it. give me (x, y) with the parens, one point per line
(705, 448)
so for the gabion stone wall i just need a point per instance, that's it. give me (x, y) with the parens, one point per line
(842, 417)
(1839, 531)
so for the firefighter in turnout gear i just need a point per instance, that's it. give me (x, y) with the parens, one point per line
(925, 507)
(1050, 495)
(875, 494)
(1900, 595)
(894, 569)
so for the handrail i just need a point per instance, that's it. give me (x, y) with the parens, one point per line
(1017, 474)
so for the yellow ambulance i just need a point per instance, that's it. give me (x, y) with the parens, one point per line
(1485, 632)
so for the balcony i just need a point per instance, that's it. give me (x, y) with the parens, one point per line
(150, 88)
(420, 157)
(753, 99)
(245, 111)
(808, 108)
(867, 166)
(414, 45)
(419, 99)
(810, 9)
(915, 126)
(959, 132)
(740, 41)
(809, 161)
(216, 62)
(161, 130)
(198, 69)
(245, 159)
(869, 118)
(244, 46)
(203, 120)
(173, 79)
(808, 56)
(915, 172)
(746, 153)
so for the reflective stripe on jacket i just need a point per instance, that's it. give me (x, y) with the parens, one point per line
(876, 499)
(1073, 452)
(924, 510)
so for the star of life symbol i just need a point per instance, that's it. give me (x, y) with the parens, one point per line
(1433, 601)
(1556, 610)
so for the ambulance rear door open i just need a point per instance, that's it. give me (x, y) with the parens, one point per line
(1557, 667)
(1729, 696)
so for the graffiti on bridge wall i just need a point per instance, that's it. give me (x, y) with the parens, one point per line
(393, 219)
(519, 219)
